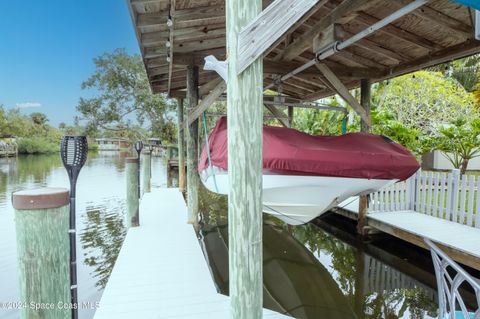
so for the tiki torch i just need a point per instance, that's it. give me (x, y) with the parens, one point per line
(73, 150)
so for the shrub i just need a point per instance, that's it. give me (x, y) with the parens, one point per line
(36, 145)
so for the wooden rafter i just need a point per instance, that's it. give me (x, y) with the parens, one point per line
(206, 102)
(279, 115)
(343, 92)
(268, 27)
(170, 48)
(305, 40)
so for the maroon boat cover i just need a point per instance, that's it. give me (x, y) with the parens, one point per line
(288, 151)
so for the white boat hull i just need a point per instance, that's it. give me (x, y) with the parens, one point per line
(299, 199)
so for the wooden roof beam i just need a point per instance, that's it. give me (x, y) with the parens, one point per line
(279, 115)
(263, 31)
(206, 102)
(343, 92)
(439, 18)
(303, 42)
(399, 33)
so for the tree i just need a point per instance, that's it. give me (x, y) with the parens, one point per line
(39, 118)
(124, 98)
(424, 99)
(459, 142)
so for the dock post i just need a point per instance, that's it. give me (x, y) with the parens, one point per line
(365, 86)
(146, 172)
(193, 180)
(131, 169)
(245, 140)
(42, 223)
(181, 143)
(290, 116)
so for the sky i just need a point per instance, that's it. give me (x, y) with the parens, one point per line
(47, 47)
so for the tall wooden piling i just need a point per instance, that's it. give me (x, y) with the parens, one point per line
(365, 91)
(181, 143)
(245, 122)
(290, 116)
(42, 222)
(131, 171)
(146, 172)
(193, 180)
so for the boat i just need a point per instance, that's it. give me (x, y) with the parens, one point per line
(295, 283)
(304, 176)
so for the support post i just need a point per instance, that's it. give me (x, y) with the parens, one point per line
(365, 87)
(131, 169)
(290, 116)
(245, 126)
(146, 172)
(42, 223)
(193, 180)
(181, 143)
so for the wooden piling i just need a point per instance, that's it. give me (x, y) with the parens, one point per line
(365, 91)
(146, 172)
(131, 171)
(245, 122)
(193, 180)
(181, 151)
(290, 116)
(42, 222)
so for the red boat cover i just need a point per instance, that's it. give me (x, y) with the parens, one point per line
(288, 151)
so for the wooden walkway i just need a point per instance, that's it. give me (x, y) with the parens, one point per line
(461, 242)
(161, 271)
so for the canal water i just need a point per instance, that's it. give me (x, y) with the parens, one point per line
(319, 270)
(100, 217)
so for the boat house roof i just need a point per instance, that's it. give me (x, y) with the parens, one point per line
(175, 33)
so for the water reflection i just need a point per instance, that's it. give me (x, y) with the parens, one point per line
(317, 271)
(102, 237)
(100, 217)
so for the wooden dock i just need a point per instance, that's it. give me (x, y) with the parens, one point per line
(161, 271)
(459, 241)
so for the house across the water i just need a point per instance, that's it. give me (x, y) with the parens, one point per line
(112, 144)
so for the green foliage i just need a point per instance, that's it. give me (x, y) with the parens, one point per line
(459, 141)
(124, 100)
(319, 122)
(384, 123)
(36, 145)
(424, 99)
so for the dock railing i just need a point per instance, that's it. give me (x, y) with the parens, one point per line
(446, 195)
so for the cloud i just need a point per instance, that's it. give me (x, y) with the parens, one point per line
(26, 105)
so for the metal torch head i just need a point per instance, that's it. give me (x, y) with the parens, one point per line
(73, 150)
(138, 146)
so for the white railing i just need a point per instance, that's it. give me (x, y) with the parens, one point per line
(444, 195)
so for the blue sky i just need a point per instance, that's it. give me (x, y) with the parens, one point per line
(47, 47)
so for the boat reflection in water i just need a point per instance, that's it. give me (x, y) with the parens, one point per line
(322, 270)
(295, 282)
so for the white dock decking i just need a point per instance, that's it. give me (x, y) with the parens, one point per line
(161, 271)
(461, 240)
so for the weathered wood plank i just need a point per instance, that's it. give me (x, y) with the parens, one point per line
(193, 180)
(245, 139)
(267, 28)
(181, 150)
(206, 102)
(344, 93)
(305, 40)
(463, 199)
(279, 115)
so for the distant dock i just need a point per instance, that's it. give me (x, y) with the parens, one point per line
(161, 271)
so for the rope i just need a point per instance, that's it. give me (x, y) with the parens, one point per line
(208, 150)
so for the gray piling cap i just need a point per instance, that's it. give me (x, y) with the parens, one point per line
(40, 198)
(131, 160)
